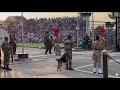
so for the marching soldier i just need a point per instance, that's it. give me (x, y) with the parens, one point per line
(3, 34)
(68, 50)
(97, 47)
(57, 46)
(7, 49)
(48, 45)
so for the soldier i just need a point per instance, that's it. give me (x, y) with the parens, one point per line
(86, 40)
(48, 45)
(97, 47)
(7, 49)
(3, 34)
(57, 46)
(68, 50)
(12, 53)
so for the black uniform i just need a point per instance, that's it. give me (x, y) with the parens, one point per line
(48, 45)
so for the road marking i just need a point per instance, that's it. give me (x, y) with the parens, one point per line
(84, 66)
(36, 52)
(77, 69)
(95, 74)
(39, 55)
(92, 64)
(83, 57)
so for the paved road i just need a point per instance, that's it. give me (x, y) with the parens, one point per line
(44, 66)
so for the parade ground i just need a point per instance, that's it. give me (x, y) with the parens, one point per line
(39, 65)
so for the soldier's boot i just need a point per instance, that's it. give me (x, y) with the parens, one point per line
(100, 71)
(8, 68)
(94, 70)
(70, 65)
(4, 67)
(66, 66)
(12, 59)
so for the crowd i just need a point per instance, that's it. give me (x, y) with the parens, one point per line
(34, 29)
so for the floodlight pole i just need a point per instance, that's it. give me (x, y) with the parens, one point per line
(22, 33)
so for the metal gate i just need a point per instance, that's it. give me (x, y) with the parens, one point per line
(117, 33)
(109, 35)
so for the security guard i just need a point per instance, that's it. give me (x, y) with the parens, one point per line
(7, 49)
(68, 50)
(97, 47)
(3, 33)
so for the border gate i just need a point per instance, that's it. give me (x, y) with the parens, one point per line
(109, 35)
(117, 33)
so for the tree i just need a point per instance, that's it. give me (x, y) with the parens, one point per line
(112, 15)
(98, 27)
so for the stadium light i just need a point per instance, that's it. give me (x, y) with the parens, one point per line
(77, 28)
(22, 33)
(92, 27)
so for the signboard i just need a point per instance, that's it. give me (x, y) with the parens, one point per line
(3, 33)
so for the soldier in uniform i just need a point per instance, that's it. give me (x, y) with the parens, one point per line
(48, 45)
(57, 46)
(68, 50)
(97, 47)
(3, 34)
(7, 49)
(13, 48)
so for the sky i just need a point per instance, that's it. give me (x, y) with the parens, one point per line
(98, 16)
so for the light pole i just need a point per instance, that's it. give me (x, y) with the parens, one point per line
(22, 56)
(77, 28)
(22, 33)
(92, 27)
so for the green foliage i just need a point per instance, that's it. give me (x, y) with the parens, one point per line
(99, 27)
(112, 15)
(32, 45)
(110, 24)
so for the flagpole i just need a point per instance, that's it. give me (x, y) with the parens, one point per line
(92, 27)
(77, 28)
(22, 33)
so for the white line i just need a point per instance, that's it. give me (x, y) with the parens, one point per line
(84, 57)
(43, 55)
(92, 64)
(36, 52)
(84, 66)
(96, 74)
(39, 55)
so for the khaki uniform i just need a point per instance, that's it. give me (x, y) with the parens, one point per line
(97, 53)
(7, 49)
(57, 49)
(57, 46)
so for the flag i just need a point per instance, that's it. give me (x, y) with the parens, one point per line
(56, 31)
